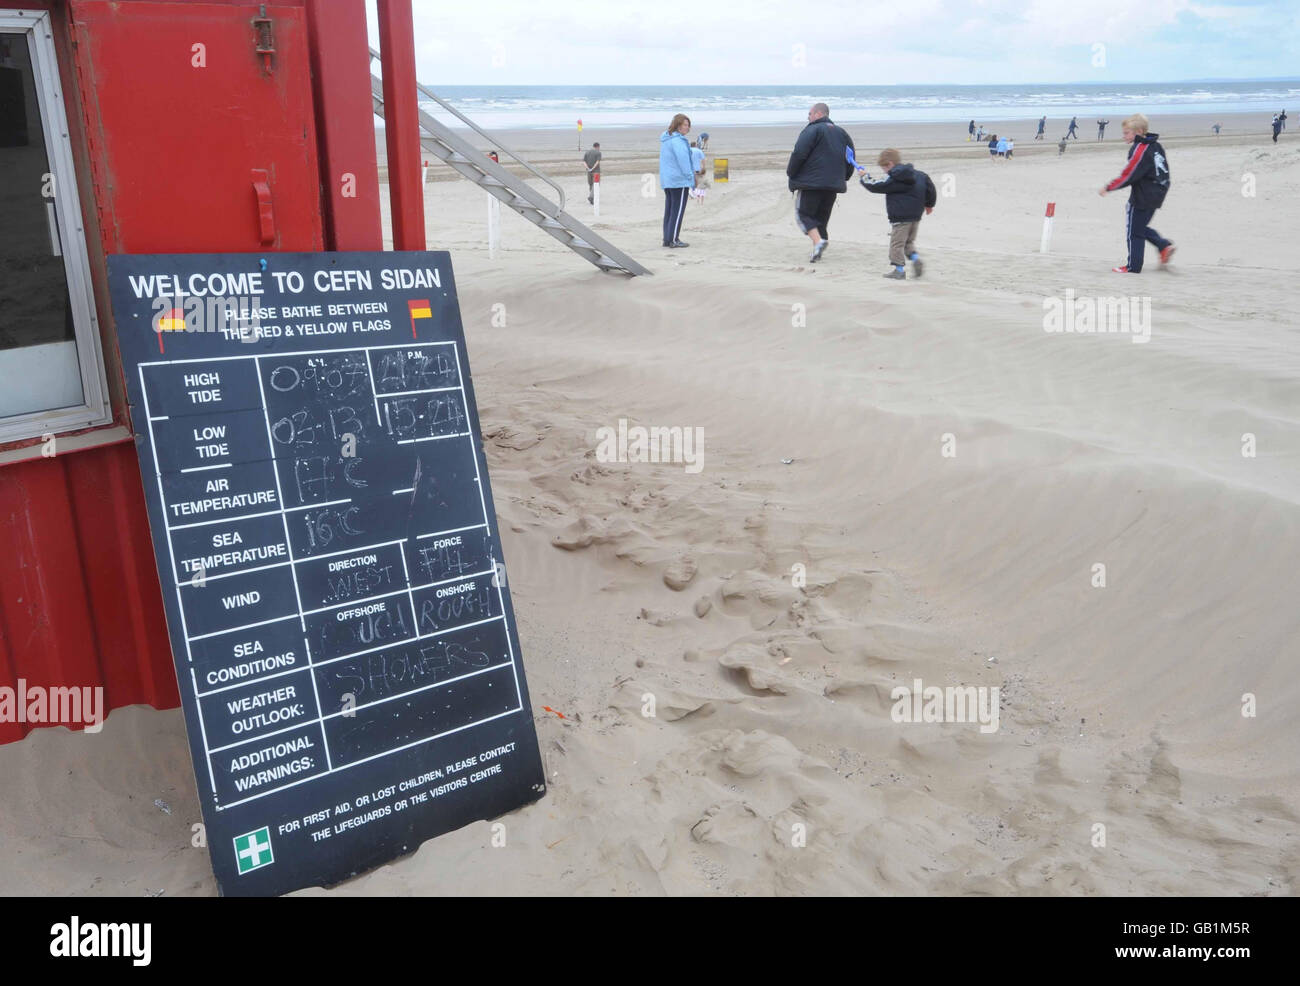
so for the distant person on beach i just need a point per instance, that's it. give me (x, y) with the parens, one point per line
(993, 146)
(1277, 126)
(702, 167)
(818, 171)
(1282, 117)
(704, 141)
(1042, 126)
(1002, 147)
(1216, 129)
(1011, 146)
(909, 195)
(1147, 178)
(971, 131)
(1101, 129)
(676, 177)
(697, 164)
(1060, 148)
(1074, 125)
(592, 160)
(979, 134)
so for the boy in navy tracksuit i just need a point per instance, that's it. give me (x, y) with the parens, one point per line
(909, 194)
(1147, 178)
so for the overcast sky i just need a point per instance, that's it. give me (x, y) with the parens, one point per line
(850, 42)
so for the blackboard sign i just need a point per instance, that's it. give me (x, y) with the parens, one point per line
(330, 563)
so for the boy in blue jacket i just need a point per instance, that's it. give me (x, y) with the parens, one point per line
(909, 194)
(1146, 175)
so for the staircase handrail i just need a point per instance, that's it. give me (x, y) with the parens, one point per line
(426, 91)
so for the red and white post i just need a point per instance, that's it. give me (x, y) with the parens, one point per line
(595, 194)
(1047, 227)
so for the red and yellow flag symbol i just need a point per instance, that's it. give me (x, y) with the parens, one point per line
(419, 309)
(171, 320)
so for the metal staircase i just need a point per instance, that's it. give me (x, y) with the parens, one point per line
(444, 144)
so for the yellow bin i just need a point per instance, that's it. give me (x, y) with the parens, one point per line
(719, 169)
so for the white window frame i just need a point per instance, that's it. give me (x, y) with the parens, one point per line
(95, 409)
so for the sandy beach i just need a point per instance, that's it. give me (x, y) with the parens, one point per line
(900, 482)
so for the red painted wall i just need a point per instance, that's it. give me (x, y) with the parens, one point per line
(79, 597)
(165, 153)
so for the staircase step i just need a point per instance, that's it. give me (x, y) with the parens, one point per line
(450, 147)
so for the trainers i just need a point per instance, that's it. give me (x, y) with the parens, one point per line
(894, 275)
(817, 252)
(1166, 253)
(679, 243)
(1119, 270)
(918, 268)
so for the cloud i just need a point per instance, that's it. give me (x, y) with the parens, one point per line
(578, 42)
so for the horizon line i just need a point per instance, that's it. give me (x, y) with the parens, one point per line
(881, 85)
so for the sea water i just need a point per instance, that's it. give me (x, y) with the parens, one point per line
(605, 107)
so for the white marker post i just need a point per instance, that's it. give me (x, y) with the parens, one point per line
(1047, 227)
(595, 194)
(494, 225)
(424, 174)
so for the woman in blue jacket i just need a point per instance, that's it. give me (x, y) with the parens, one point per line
(676, 176)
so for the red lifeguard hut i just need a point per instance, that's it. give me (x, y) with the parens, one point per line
(154, 126)
(175, 126)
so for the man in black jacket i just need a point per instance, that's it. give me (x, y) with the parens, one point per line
(1146, 176)
(909, 194)
(818, 171)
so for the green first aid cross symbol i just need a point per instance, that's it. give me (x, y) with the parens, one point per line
(253, 850)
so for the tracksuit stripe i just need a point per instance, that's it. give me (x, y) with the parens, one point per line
(1129, 168)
